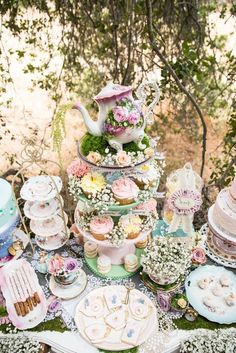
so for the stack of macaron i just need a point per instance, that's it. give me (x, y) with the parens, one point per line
(90, 249)
(131, 263)
(103, 264)
(142, 243)
(100, 226)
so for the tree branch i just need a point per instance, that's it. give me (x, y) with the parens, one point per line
(157, 50)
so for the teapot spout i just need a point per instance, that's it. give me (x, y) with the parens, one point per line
(93, 127)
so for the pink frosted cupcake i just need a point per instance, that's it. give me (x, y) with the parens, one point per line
(101, 226)
(149, 206)
(125, 190)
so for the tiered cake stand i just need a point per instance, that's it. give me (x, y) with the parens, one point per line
(105, 247)
(44, 208)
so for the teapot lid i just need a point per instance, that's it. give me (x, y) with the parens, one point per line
(113, 91)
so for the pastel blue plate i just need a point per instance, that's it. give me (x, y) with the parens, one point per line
(195, 294)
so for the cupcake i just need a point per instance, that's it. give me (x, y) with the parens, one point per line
(82, 209)
(90, 249)
(125, 191)
(101, 226)
(146, 176)
(131, 263)
(142, 244)
(92, 183)
(131, 225)
(104, 264)
(148, 206)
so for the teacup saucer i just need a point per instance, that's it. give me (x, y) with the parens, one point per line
(42, 210)
(53, 242)
(48, 227)
(41, 188)
(17, 235)
(70, 291)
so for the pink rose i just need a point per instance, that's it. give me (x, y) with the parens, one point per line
(55, 264)
(119, 114)
(78, 169)
(133, 118)
(123, 159)
(198, 256)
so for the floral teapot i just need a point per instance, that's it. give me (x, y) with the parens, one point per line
(120, 118)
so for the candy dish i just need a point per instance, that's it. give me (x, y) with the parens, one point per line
(25, 301)
(209, 301)
(53, 242)
(48, 227)
(18, 236)
(41, 188)
(71, 291)
(115, 328)
(42, 210)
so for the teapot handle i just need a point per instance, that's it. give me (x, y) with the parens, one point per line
(141, 94)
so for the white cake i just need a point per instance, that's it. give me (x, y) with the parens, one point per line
(224, 211)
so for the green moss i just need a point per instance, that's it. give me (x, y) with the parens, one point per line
(200, 322)
(51, 325)
(99, 144)
(93, 143)
(3, 311)
(132, 350)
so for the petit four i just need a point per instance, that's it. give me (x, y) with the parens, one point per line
(93, 306)
(101, 226)
(125, 191)
(139, 308)
(90, 249)
(217, 290)
(208, 301)
(131, 224)
(104, 264)
(225, 281)
(231, 299)
(204, 282)
(112, 299)
(117, 319)
(96, 332)
(131, 332)
(92, 183)
(131, 263)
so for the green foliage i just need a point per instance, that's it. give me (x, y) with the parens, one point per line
(3, 311)
(200, 322)
(99, 144)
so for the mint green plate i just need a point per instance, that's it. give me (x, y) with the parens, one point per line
(119, 208)
(117, 271)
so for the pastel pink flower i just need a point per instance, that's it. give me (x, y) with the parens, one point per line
(198, 256)
(55, 264)
(119, 114)
(133, 118)
(77, 168)
(123, 159)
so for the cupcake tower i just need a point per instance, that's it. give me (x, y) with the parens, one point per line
(115, 214)
(43, 207)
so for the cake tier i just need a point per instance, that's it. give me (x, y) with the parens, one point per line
(232, 190)
(7, 204)
(223, 216)
(6, 238)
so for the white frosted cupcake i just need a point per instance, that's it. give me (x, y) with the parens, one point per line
(146, 176)
(90, 249)
(131, 263)
(131, 225)
(104, 264)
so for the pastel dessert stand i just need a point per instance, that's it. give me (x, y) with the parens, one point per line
(218, 310)
(43, 207)
(115, 318)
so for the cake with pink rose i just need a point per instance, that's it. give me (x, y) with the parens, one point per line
(222, 220)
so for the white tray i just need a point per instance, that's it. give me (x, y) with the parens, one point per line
(195, 294)
(113, 341)
(29, 190)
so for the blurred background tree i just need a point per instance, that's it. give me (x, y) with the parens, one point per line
(109, 40)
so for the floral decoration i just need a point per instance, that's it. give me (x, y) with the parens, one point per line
(54, 304)
(217, 341)
(126, 114)
(185, 201)
(77, 168)
(166, 260)
(59, 266)
(123, 159)
(198, 256)
(20, 343)
(163, 299)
